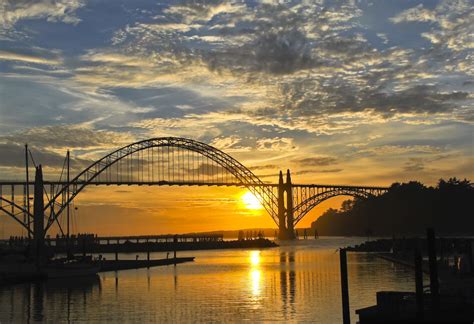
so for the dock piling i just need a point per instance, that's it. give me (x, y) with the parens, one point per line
(419, 285)
(471, 256)
(433, 263)
(175, 240)
(346, 318)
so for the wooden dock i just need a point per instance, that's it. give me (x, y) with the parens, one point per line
(114, 265)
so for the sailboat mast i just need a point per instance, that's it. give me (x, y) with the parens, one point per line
(27, 191)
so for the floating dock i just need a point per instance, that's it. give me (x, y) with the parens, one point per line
(114, 265)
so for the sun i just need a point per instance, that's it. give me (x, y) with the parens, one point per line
(250, 201)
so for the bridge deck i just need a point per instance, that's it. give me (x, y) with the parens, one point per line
(184, 183)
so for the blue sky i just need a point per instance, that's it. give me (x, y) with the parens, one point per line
(382, 89)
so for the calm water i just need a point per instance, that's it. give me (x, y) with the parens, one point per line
(296, 283)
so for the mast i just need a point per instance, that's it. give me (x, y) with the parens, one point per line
(67, 198)
(27, 192)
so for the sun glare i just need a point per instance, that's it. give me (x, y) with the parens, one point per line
(250, 201)
(255, 258)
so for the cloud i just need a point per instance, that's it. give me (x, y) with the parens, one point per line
(208, 169)
(287, 61)
(276, 144)
(386, 150)
(229, 144)
(274, 52)
(317, 171)
(414, 165)
(453, 21)
(13, 155)
(54, 11)
(263, 167)
(68, 136)
(215, 123)
(305, 70)
(418, 14)
(12, 56)
(417, 164)
(340, 96)
(317, 161)
(302, 172)
(190, 11)
(117, 59)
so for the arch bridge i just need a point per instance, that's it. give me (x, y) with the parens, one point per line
(166, 161)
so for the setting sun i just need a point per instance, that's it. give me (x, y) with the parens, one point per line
(250, 201)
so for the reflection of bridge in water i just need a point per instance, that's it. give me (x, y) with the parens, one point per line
(167, 161)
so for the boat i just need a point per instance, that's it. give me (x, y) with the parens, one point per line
(69, 268)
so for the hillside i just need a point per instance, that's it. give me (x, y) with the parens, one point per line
(405, 209)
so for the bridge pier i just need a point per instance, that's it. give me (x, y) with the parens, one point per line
(286, 229)
(289, 207)
(281, 209)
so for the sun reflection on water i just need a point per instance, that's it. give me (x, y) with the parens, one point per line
(255, 258)
(255, 273)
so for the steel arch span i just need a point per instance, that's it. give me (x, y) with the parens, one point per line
(15, 212)
(308, 204)
(102, 167)
(176, 161)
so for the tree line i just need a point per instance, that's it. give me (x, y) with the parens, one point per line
(405, 209)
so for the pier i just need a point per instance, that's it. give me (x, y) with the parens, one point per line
(89, 243)
(114, 265)
(449, 297)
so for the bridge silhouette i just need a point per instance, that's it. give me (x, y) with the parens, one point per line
(166, 161)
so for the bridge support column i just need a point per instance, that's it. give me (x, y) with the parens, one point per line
(289, 207)
(285, 210)
(281, 209)
(38, 222)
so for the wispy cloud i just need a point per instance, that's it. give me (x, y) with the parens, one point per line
(52, 11)
(11, 56)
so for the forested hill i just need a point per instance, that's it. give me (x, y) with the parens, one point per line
(405, 209)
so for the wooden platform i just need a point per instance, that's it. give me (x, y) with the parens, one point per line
(114, 265)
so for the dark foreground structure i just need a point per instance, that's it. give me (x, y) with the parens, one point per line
(19, 265)
(401, 307)
(76, 268)
(449, 298)
(114, 265)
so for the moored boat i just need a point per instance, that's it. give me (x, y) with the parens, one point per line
(71, 268)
